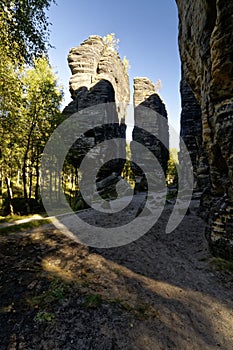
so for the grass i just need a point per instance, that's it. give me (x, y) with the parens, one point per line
(44, 316)
(56, 291)
(92, 301)
(22, 227)
(45, 301)
(222, 265)
(10, 218)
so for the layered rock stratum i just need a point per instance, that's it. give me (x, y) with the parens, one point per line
(206, 49)
(191, 134)
(151, 129)
(98, 77)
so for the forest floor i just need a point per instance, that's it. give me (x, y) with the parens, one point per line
(163, 291)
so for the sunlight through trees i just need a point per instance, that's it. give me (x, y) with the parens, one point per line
(29, 97)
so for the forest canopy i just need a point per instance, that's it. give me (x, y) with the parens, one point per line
(29, 97)
(24, 29)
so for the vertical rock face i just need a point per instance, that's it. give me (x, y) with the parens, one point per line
(145, 96)
(91, 62)
(206, 48)
(98, 76)
(191, 133)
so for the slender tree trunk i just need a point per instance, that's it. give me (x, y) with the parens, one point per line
(9, 195)
(24, 176)
(30, 184)
(25, 158)
(76, 179)
(50, 186)
(56, 186)
(18, 177)
(1, 184)
(37, 179)
(59, 186)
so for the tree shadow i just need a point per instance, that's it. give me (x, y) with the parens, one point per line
(119, 298)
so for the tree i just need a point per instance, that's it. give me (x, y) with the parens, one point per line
(158, 86)
(23, 36)
(23, 28)
(127, 172)
(10, 103)
(172, 175)
(39, 116)
(111, 41)
(126, 63)
(30, 116)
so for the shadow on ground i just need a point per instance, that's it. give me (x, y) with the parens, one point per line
(156, 293)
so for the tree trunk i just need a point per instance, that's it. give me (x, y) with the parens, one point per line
(9, 195)
(1, 184)
(25, 158)
(59, 186)
(24, 176)
(30, 184)
(37, 179)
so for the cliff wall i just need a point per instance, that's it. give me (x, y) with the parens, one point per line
(191, 134)
(206, 48)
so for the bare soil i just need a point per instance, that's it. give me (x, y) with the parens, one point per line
(159, 292)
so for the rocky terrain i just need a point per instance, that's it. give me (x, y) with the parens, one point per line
(163, 291)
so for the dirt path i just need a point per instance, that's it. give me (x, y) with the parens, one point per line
(159, 292)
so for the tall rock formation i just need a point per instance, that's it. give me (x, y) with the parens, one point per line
(157, 141)
(191, 134)
(94, 61)
(206, 48)
(98, 77)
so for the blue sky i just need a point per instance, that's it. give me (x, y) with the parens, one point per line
(148, 33)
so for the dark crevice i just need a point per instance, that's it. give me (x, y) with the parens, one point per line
(211, 15)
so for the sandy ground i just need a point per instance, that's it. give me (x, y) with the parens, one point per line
(158, 292)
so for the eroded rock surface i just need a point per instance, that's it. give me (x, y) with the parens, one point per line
(206, 48)
(151, 128)
(191, 134)
(98, 77)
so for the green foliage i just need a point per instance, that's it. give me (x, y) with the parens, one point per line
(222, 265)
(12, 218)
(10, 104)
(56, 291)
(39, 114)
(23, 29)
(41, 100)
(127, 172)
(126, 63)
(172, 175)
(92, 301)
(22, 227)
(111, 41)
(29, 97)
(43, 316)
(29, 113)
